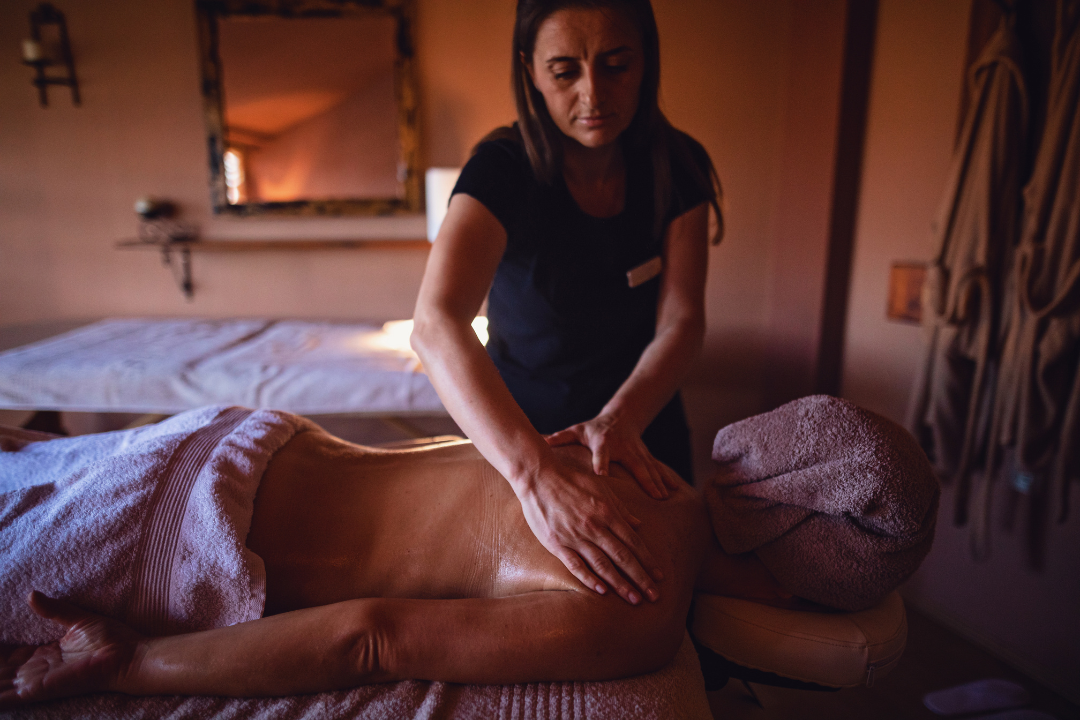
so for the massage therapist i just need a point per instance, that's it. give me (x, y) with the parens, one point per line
(586, 227)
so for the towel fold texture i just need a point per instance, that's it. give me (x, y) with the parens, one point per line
(147, 525)
(838, 502)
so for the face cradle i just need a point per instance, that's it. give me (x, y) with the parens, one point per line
(587, 64)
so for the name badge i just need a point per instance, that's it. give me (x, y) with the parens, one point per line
(645, 272)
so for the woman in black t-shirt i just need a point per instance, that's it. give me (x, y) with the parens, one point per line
(588, 223)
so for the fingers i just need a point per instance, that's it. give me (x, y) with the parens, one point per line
(671, 478)
(647, 477)
(563, 437)
(646, 471)
(613, 560)
(608, 558)
(580, 570)
(58, 611)
(600, 460)
(617, 554)
(628, 537)
(21, 669)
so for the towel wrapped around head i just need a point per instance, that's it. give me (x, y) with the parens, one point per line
(838, 502)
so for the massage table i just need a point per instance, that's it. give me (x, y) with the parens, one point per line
(171, 365)
(734, 638)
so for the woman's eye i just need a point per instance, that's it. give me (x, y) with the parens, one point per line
(563, 74)
(618, 68)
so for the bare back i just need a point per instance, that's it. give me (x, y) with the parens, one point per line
(335, 521)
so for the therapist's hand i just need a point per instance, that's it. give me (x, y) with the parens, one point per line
(611, 441)
(576, 516)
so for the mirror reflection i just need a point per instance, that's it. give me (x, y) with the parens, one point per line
(310, 114)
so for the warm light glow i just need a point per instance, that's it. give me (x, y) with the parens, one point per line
(234, 176)
(396, 333)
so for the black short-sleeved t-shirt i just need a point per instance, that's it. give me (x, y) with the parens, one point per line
(566, 328)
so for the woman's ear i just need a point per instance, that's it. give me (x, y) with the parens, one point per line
(528, 67)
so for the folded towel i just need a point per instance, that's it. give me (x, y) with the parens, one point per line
(838, 502)
(146, 525)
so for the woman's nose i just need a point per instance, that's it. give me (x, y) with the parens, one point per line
(590, 91)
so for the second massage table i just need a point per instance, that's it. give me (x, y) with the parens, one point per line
(138, 365)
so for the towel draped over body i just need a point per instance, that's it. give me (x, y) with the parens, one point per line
(838, 502)
(145, 525)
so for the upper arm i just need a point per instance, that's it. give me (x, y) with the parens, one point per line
(462, 262)
(686, 255)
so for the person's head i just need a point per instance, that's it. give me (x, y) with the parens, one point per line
(611, 52)
(587, 70)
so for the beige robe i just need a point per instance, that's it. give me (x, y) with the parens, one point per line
(976, 229)
(1038, 399)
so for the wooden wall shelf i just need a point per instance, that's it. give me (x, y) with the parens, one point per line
(275, 245)
(183, 248)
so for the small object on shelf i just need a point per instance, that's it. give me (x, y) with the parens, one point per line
(149, 208)
(35, 54)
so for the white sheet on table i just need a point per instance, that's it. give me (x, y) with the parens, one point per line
(166, 366)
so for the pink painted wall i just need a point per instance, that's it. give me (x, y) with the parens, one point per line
(69, 175)
(1025, 616)
(800, 252)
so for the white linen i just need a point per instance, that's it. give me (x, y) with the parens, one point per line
(172, 365)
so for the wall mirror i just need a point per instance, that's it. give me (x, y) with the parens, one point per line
(310, 106)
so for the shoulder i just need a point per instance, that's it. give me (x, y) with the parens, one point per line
(498, 175)
(691, 173)
(501, 149)
(497, 169)
(688, 156)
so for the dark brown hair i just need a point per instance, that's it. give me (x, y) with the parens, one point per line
(649, 132)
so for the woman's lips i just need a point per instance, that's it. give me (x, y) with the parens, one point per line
(595, 121)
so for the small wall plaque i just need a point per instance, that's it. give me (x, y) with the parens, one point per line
(905, 291)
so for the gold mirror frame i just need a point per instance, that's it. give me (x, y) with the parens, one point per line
(210, 11)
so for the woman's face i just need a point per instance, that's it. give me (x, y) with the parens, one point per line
(587, 64)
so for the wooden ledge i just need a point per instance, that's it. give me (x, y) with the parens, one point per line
(278, 245)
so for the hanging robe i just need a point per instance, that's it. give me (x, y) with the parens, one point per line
(1037, 403)
(976, 227)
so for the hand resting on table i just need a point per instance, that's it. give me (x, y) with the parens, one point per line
(93, 656)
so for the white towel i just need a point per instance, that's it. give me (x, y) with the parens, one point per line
(146, 525)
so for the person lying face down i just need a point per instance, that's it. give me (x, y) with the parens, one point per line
(380, 565)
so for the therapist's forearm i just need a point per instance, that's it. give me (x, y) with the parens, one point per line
(659, 373)
(476, 397)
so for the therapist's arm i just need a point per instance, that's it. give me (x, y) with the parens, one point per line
(615, 434)
(572, 513)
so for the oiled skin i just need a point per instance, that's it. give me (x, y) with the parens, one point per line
(385, 565)
(335, 521)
